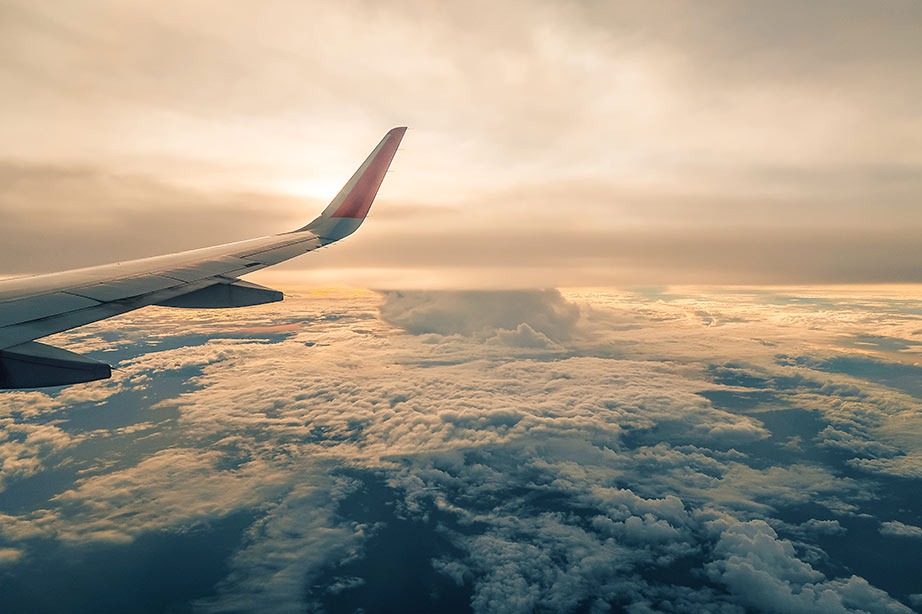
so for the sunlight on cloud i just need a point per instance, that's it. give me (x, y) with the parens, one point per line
(458, 440)
(548, 442)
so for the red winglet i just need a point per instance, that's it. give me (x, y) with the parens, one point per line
(345, 213)
(356, 197)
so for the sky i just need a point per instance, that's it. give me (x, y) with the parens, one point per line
(525, 384)
(551, 144)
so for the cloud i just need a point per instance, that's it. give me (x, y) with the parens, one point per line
(824, 527)
(174, 487)
(521, 576)
(766, 575)
(101, 216)
(523, 336)
(778, 139)
(25, 448)
(287, 547)
(542, 312)
(895, 528)
(9, 555)
(574, 473)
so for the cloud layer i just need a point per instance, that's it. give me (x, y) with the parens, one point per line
(659, 452)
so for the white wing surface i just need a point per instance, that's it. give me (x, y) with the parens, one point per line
(37, 306)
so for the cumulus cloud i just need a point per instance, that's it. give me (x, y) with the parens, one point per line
(640, 441)
(523, 336)
(895, 528)
(765, 573)
(24, 447)
(501, 314)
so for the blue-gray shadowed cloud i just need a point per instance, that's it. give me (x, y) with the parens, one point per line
(643, 458)
(656, 450)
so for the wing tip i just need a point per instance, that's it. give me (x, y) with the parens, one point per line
(397, 132)
(345, 213)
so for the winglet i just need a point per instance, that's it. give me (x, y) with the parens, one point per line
(347, 211)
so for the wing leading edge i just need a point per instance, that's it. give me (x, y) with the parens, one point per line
(41, 305)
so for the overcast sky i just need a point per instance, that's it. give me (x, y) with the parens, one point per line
(551, 144)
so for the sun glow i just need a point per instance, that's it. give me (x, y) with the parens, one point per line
(316, 188)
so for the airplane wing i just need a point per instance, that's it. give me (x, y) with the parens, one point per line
(37, 306)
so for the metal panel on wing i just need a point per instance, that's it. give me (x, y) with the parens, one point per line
(201, 270)
(280, 254)
(125, 288)
(24, 310)
(16, 334)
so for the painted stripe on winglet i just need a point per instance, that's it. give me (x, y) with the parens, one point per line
(355, 199)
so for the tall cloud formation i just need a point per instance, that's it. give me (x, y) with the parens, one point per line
(496, 316)
(553, 144)
(657, 452)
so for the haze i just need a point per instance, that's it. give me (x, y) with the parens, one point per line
(551, 144)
